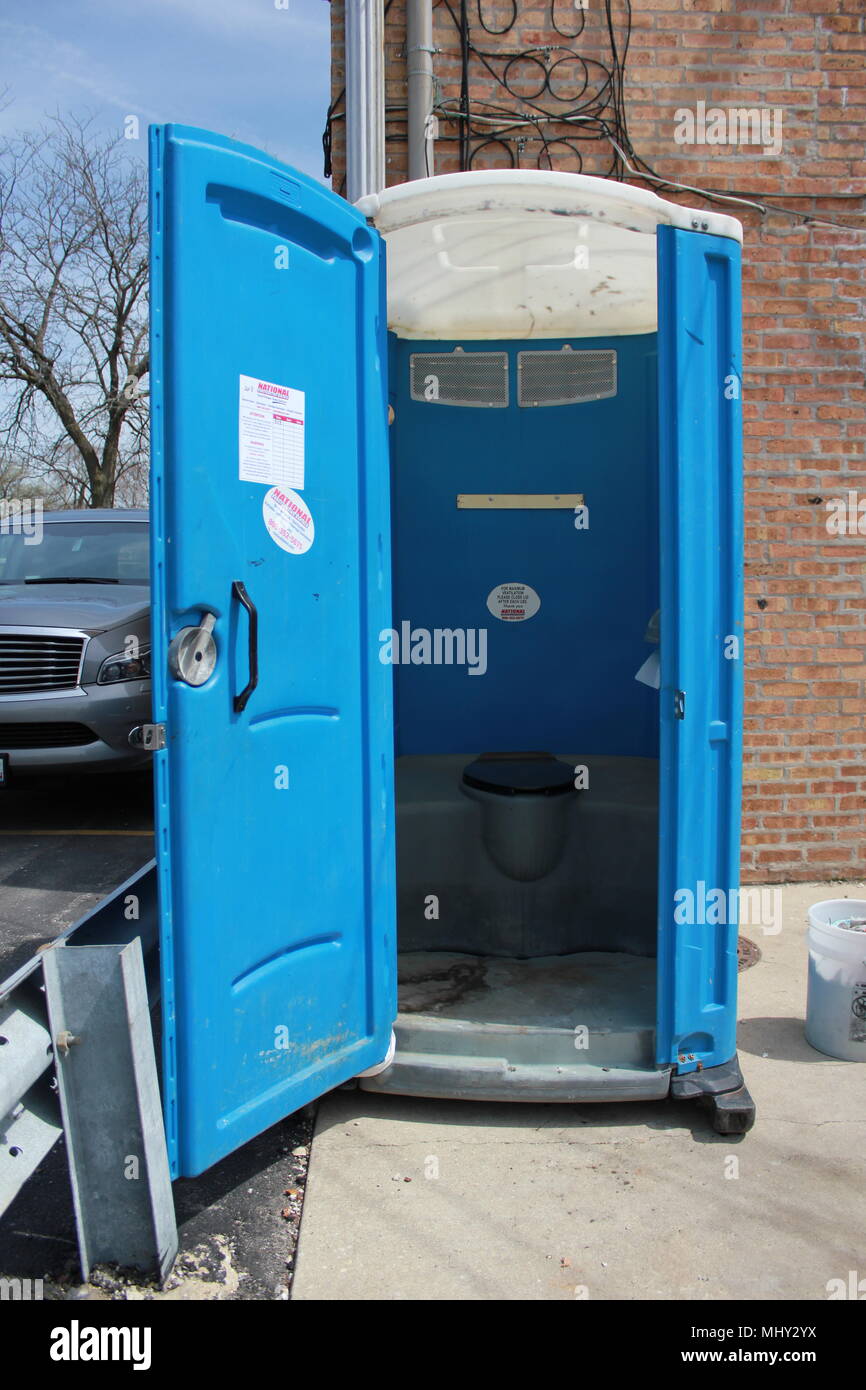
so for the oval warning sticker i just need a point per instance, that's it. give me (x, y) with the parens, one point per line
(288, 521)
(513, 603)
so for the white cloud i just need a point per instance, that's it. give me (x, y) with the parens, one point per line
(236, 66)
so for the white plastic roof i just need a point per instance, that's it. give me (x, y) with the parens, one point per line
(511, 253)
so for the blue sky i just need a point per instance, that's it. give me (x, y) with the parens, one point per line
(245, 68)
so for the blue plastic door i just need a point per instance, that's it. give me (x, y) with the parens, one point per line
(700, 484)
(271, 583)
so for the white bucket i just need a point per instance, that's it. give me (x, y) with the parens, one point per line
(836, 1007)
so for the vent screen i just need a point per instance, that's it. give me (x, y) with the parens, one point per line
(565, 377)
(460, 378)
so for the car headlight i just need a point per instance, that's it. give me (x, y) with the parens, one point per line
(123, 667)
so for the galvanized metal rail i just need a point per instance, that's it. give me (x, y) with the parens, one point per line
(77, 1058)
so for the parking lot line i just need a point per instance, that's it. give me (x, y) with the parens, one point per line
(75, 832)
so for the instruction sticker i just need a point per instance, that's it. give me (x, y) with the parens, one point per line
(513, 603)
(288, 520)
(270, 434)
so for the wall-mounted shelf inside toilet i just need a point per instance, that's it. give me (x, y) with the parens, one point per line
(519, 501)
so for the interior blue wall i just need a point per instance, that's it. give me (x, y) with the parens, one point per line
(564, 679)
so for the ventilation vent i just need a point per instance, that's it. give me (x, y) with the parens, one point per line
(460, 378)
(565, 377)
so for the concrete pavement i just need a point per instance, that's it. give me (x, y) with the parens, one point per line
(432, 1200)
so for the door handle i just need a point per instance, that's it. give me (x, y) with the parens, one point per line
(240, 593)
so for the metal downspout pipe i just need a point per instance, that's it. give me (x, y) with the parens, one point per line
(365, 98)
(419, 67)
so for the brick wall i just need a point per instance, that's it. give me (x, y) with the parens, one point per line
(804, 388)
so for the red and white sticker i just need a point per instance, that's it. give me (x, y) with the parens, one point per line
(513, 603)
(288, 520)
(270, 433)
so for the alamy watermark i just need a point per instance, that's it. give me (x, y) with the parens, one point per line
(21, 1290)
(719, 907)
(735, 125)
(438, 646)
(22, 516)
(846, 516)
(103, 1343)
(851, 1288)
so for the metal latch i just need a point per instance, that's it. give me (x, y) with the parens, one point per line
(192, 654)
(150, 737)
(679, 704)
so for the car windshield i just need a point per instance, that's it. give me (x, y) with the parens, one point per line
(115, 552)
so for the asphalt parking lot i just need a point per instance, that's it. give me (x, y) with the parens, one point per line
(65, 843)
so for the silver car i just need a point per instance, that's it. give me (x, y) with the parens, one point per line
(74, 641)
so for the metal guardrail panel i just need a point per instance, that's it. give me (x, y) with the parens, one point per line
(30, 1111)
(25, 1047)
(27, 1134)
(109, 1097)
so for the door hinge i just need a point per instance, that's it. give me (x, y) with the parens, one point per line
(150, 737)
(679, 704)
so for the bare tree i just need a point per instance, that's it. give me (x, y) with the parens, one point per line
(73, 313)
(17, 483)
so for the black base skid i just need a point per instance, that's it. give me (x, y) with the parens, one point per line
(720, 1090)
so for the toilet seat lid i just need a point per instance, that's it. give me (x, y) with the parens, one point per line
(519, 774)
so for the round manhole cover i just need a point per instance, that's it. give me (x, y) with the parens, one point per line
(747, 953)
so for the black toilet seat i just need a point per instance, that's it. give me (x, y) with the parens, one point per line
(519, 774)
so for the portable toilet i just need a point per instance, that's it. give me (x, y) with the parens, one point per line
(447, 640)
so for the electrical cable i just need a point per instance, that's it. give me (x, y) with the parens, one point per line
(549, 67)
(510, 25)
(594, 112)
(565, 33)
